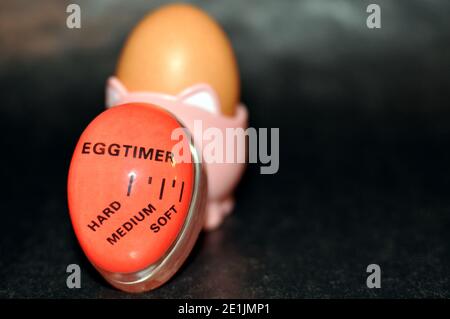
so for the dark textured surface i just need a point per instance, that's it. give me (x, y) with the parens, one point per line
(365, 133)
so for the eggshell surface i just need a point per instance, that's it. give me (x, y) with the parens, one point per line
(178, 46)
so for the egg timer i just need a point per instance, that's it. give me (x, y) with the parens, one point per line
(136, 206)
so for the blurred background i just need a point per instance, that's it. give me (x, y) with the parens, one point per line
(364, 130)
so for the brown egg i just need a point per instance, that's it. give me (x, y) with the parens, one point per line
(178, 46)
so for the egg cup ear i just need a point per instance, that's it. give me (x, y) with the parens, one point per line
(199, 95)
(115, 92)
(202, 96)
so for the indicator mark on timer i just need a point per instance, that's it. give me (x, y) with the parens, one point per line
(181, 192)
(161, 192)
(130, 183)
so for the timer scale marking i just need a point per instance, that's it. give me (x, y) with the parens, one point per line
(163, 183)
(181, 192)
(161, 192)
(130, 183)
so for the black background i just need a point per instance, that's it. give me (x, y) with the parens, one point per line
(364, 163)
